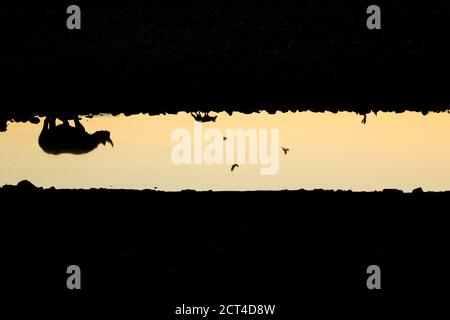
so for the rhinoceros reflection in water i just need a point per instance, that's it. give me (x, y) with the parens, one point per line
(63, 138)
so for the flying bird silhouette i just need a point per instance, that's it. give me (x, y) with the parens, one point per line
(234, 166)
(285, 150)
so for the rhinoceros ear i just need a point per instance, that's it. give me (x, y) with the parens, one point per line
(102, 137)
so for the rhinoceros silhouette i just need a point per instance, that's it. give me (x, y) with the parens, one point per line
(64, 138)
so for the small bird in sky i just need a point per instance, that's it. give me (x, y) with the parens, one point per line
(285, 150)
(234, 166)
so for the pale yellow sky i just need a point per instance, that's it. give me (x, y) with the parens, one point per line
(330, 151)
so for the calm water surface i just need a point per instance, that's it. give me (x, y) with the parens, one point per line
(329, 151)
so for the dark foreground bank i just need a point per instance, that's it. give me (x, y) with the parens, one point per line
(249, 52)
(33, 116)
(151, 251)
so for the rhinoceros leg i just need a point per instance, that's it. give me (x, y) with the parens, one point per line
(79, 126)
(49, 123)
